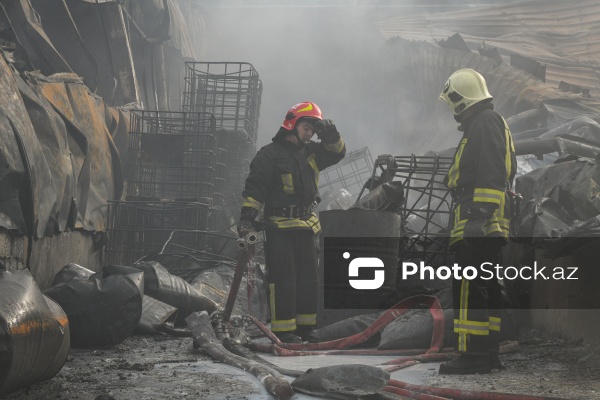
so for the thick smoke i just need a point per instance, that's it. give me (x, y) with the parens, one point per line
(333, 56)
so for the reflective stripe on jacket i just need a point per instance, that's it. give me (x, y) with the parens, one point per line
(484, 166)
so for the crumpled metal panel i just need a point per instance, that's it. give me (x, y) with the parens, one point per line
(417, 72)
(97, 162)
(26, 184)
(61, 188)
(103, 31)
(58, 24)
(26, 26)
(173, 290)
(569, 45)
(34, 333)
(155, 314)
(70, 272)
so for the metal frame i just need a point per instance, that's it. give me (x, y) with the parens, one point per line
(139, 228)
(427, 205)
(350, 173)
(231, 91)
(172, 155)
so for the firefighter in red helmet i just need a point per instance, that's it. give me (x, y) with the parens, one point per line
(283, 184)
(483, 169)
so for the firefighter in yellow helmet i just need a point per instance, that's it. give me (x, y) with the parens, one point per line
(283, 182)
(483, 168)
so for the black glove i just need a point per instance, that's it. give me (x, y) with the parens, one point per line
(327, 132)
(245, 224)
(477, 216)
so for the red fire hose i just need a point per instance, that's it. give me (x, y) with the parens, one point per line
(390, 315)
(458, 394)
(413, 395)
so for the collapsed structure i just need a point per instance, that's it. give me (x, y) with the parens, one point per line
(136, 152)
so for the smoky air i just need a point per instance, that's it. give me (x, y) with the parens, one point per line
(333, 56)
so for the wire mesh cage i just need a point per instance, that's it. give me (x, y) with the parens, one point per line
(240, 149)
(350, 173)
(426, 206)
(138, 228)
(231, 91)
(172, 155)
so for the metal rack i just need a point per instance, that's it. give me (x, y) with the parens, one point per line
(139, 228)
(427, 204)
(231, 91)
(172, 155)
(350, 173)
(240, 150)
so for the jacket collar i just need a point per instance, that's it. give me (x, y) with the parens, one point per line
(470, 113)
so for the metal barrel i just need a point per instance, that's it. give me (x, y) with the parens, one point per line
(360, 232)
(34, 333)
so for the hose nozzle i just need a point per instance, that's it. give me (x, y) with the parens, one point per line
(248, 239)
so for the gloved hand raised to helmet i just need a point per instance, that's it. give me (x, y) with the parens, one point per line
(326, 131)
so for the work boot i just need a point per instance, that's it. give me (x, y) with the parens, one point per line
(288, 337)
(308, 334)
(466, 364)
(495, 361)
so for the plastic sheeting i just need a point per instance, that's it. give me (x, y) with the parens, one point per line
(571, 184)
(215, 284)
(102, 312)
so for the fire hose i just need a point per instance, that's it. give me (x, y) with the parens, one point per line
(399, 309)
(454, 394)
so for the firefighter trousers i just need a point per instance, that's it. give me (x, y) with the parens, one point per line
(292, 274)
(477, 302)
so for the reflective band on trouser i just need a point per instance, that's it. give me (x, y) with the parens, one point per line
(472, 327)
(306, 319)
(483, 195)
(252, 203)
(286, 325)
(288, 223)
(288, 183)
(462, 314)
(495, 324)
(336, 147)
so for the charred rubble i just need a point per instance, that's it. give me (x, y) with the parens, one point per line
(116, 138)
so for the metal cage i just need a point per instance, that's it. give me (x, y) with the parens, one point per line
(427, 203)
(350, 173)
(137, 228)
(172, 155)
(231, 91)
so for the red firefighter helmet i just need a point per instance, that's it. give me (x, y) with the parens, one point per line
(301, 110)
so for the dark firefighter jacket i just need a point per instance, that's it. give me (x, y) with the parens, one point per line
(483, 168)
(283, 174)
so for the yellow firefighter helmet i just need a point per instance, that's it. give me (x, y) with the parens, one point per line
(464, 88)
